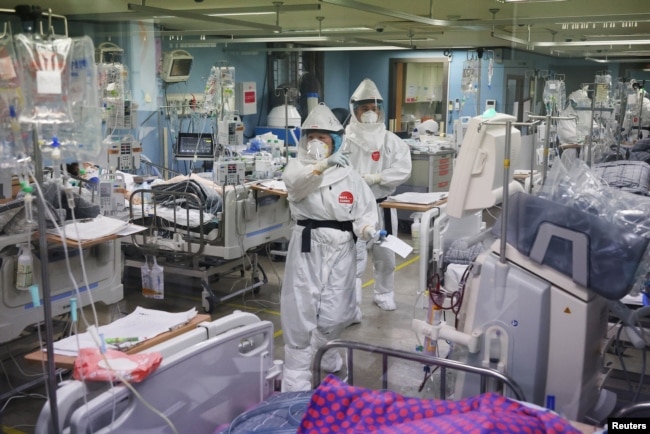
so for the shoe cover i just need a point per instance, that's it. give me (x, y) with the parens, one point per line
(296, 374)
(331, 360)
(358, 316)
(358, 291)
(295, 381)
(385, 301)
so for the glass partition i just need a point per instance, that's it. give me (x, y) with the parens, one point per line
(418, 91)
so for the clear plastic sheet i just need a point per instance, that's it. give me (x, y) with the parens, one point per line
(574, 184)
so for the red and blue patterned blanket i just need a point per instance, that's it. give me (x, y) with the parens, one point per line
(336, 407)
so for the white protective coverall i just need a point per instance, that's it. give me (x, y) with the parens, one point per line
(318, 298)
(375, 150)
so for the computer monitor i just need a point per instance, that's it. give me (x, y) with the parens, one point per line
(192, 146)
(176, 66)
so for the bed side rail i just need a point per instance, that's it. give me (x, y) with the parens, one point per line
(631, 410)
(442, 364)
(171, 234)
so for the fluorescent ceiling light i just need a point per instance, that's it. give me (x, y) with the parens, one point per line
(354, 48)
(510, 38)
(231, 14)
(332, 30)
(622, 60)
(590, 43)
(410, 40)
(278, 39)
(352, 4)
(256, 10)
(529, 1)
(199, 16)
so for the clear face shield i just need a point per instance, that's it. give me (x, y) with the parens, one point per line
(369, 112)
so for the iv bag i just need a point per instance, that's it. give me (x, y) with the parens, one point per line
(11, 105)
(554, 96)
(469, 82)
(45, 79)
(82, 138)
(153, 282)
(219, 93)
(212, 92)
(603, 88)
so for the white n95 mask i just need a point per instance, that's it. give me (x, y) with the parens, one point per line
(318, 150)
(369, 117)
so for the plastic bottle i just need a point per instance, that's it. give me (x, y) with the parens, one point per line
(24, 272)
(312, 100)
(415, 231)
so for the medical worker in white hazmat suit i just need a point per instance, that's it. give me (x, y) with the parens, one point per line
(384, 162)
(331, 205)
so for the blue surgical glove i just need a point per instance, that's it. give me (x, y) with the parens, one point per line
(374, 236)
(380, 235)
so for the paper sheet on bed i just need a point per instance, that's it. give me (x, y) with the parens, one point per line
(419, 198)
(141, 323)
(90, 229)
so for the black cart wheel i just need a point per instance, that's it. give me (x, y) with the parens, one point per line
(210, 305)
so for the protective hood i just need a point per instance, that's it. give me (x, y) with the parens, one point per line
(366, 92)
(320, 118)
(369, 137)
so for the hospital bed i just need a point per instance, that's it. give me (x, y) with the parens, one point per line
(103, 269)
(207, 377)
(199, 229)
(221, 371)
(102, 262)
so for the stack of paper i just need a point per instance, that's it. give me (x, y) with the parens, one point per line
(90, 229)
(418, 198)
(136, 327)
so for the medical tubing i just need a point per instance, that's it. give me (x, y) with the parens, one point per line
(268, 408)
(128, 385)
(83, 269)
(619, 355)
(65, 251)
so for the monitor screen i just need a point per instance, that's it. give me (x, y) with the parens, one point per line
(180, 67)
(191, 145)
(477, 182)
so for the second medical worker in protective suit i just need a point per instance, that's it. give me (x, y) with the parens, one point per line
(331, 206)
(384, 162)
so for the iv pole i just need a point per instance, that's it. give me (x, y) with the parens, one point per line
(30, 14)
(285, 90)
